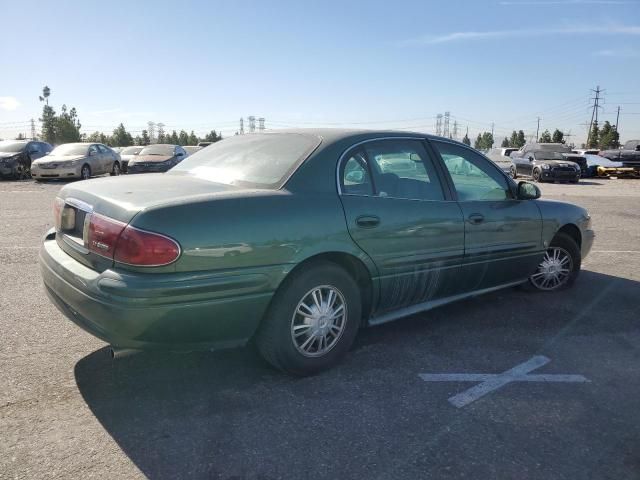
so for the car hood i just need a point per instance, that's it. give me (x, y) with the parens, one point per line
(8, 154)
(59, 158)
(153, 158)
(123, 197)
(128, 156)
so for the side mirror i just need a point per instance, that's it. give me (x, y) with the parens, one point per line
(528, 191)
(179, 154)
(530, 158)
(92, 153)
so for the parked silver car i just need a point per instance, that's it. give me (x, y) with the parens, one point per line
(76, 160)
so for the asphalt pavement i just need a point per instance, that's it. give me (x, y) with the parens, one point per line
(68, 411)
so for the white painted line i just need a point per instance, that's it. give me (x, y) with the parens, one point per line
(491, 382)
(615, 251)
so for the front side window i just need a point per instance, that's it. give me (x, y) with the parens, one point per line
(473, 176)
(403, 169)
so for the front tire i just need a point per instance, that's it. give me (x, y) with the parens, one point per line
(560, 266)
(85, 172)
(513, 172)
(115, 171)
(536, 175)
(312, 320)
(21, 171)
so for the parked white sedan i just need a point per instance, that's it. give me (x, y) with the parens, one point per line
(76, 160)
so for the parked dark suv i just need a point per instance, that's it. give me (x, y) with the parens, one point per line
(16, 157)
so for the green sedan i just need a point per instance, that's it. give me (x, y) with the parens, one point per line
(297, 239)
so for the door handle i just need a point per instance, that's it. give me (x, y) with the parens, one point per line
(368, 221)
(476, 218)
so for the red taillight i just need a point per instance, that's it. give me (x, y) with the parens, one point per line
(126, 244)
(102, 235)
(145, 249)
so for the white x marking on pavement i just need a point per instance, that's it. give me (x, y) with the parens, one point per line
(491, 381)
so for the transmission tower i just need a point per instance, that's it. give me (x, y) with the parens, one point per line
(445, 129)
(261, 124)
(594, 112)
(439, 124)
(241, 126)
(252, 124)
(455, 130)
(33, 129)
(161, 132)
(152, 131)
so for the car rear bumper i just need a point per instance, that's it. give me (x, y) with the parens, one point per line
(176, 311)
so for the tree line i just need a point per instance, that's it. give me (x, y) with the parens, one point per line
(65, 128)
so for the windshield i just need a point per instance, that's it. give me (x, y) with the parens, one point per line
(131, 150)
(260, 160)
(157, 150)
(11, 147)
(71, 149)
(542, 155)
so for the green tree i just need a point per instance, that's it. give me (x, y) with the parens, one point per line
(505, 142)
(521, 140)
(466, 140)
(67, 126)
(212, 136)
(545, 137)
(609, 137)
(162, 137)
(183, 138)
(558, 136)
(173, 138)
(121, 138)
(193, 139)
(478, 143)
(484, 141)
(21, 137)
(594, 136)
(48, 121)
(145, 140)
(513, 141)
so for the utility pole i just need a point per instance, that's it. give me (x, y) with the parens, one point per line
(241, 126)
(594, 112)
(445, 129)
(617, 118)
(538, 130)
(439, 124)
(492, 127)
(33, 127)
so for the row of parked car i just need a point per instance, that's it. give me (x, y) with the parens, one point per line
(550, 162)
(21, 159)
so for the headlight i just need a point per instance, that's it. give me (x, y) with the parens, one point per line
(545, 166)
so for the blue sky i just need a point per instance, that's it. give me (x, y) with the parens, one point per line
(204, 64)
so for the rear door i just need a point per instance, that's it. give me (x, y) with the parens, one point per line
(398, 212)
(503, 235)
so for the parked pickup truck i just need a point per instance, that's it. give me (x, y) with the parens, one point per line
(629, 155)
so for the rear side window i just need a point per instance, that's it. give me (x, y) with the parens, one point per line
(356, 179)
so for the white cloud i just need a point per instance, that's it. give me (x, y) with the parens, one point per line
(9, 103)
(524, 32)
(622, 53)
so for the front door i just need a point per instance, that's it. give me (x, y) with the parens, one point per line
(397, 212)
(503, 235)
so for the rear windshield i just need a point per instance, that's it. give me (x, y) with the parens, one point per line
(261, 160)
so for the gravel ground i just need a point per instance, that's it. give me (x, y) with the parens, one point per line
(68, 411)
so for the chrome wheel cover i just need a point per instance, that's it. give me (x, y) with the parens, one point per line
(554, 270)
(318, 321)
(85, 173)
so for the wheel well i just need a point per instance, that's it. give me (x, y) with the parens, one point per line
(573, 231)
(355, 268)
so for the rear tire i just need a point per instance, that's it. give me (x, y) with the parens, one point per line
(21, 171)
(115, 171)
(513, 172)
(553, 265)
(312, 320)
